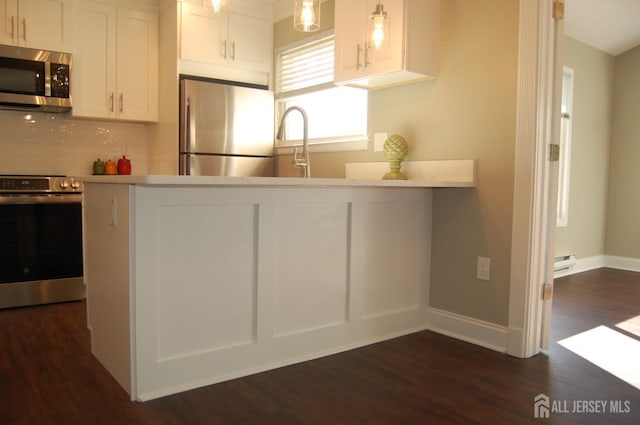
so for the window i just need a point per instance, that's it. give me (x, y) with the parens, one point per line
(565, 147)
(304, 78)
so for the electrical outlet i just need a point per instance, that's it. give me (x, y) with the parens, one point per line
(484, 268)
(378, 141)
(113, 217)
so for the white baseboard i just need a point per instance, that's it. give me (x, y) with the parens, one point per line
(479, 332)
(496, 337)
(599, 261)
(583, 265)
(622, 263)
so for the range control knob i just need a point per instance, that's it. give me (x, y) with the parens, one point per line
(64, 184)
(75, 185)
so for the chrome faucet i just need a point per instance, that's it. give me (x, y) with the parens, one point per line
(302, 162)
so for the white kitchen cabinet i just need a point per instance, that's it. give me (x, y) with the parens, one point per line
(219, 44)
(115, 63)
(410, 50)
(38, 24)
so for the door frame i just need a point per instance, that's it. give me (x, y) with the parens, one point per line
(534, 223)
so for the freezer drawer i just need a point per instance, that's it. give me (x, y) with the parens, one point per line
(219, 165)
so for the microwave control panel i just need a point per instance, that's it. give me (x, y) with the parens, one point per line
(59, 80)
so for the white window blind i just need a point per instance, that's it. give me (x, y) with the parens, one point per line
(305, 67)
(304, 78)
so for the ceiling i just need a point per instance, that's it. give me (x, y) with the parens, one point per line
(612, 26)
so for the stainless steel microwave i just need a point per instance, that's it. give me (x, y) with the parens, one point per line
(34, 80)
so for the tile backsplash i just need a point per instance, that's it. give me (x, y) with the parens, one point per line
(39, 143)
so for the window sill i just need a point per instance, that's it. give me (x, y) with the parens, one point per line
(335, 145)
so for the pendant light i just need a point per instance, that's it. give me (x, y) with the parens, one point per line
(306, 15)
(218, 5)
(380, 22)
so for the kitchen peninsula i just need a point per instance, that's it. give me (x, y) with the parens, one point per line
(197, 280)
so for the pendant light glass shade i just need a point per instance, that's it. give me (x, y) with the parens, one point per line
(380, 25)
(306, 15)
(218, 5)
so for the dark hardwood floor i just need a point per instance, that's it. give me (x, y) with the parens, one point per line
(48, 376)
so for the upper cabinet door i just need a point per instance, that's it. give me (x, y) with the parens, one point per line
(115, 63)
(204, 35)
(9, 22)
(350, 39)
(251, 43)
(410, 49)
(94, 60)
(137, 65)
(38, 24)
(228, 45)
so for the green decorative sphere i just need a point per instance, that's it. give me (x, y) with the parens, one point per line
(395, 150)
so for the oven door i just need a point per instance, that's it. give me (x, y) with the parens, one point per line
(40, 249)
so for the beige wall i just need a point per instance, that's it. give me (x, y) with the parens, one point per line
(584, 235)
(623, 225)
(467, 113)
(163, 135)
(604, 198)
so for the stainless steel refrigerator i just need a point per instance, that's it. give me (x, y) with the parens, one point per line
(225, 129)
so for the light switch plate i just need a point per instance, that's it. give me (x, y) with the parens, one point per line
(378, 141)
(484, 268)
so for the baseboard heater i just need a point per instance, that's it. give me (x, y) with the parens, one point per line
(564, 262)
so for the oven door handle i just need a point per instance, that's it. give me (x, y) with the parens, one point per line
(25, 199)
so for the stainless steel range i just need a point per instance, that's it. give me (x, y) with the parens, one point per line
(40, 240)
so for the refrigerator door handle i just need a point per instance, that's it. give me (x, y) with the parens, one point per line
(187, 164)
(188, 137)
(183, 143)
(186, 125)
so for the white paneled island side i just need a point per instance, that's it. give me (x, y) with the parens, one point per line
(197, 280)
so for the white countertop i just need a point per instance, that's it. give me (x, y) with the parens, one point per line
(438, 173)
(172, 180)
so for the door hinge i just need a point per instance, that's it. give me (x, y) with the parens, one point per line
(547, 292)
(554, 152)
(558, 10)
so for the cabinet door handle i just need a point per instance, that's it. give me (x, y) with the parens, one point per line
(111, 101)
(121, 102)
(233, 51)
(366, 54)
(224, 51)
(24, 29)
(13, 27)
(358, 50)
